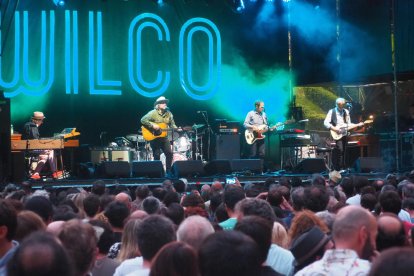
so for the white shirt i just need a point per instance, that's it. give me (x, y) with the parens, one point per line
(128, 266)
(338, 262)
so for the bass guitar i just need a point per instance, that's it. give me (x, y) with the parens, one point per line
(344, 129)
(151, 134)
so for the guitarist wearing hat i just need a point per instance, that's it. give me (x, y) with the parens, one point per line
(156, 124)
(339, 123)
(256, 122)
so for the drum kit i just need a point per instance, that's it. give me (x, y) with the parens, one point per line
(187, 144)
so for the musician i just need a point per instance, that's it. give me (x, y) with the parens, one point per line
(31, 131)
(256, 120)
(151, 121)
(335, 120)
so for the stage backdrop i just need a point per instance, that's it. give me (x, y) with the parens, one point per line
(99, 65)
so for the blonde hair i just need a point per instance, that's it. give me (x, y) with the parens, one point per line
(279, 235)
(129, 242)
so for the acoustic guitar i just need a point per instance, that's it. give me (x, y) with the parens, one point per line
(151, 134)
(345, 128)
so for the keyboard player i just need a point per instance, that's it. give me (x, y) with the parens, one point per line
(31, 131)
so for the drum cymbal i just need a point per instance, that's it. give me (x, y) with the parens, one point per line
(135, 138)
(197, 126)
(187, 128)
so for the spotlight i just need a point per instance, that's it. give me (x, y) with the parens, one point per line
(59, 3)
(238, 5)
(160, 2)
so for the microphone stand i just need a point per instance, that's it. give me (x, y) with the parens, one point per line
(205, 116)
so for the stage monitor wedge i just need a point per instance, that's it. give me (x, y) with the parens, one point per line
(218, 167)
(151, 169)
(188, 168)
(311, 165)
(246, 165)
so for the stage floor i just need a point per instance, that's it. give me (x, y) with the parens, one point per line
(195, 181)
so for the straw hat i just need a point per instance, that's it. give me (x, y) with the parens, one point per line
(37, 115)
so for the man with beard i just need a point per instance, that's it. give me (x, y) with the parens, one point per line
(354, 233)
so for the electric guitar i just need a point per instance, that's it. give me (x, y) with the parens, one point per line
(345, 128)
(253, 135)
(151, 134)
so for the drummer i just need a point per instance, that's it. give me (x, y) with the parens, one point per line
(151, 120)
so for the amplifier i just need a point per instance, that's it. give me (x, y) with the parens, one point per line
(109, 154)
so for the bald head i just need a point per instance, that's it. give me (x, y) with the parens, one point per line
(193, 230)
(350, 220)
(391, 232)
(124, 198)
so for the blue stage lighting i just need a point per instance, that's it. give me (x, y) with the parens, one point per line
(59, 3)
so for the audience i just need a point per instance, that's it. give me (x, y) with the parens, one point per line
(8, 225)
(295, 235)
(175, 259)
(40, 254)
(354, 234)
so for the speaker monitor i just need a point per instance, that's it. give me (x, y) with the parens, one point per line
(152, 169)
(219, 166)
(243, 165)
(369, 164)
(188, 168)
(99, 155)
(115, 169)
(227, 146)
(311, 165)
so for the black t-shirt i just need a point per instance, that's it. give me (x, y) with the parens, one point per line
(30, 131)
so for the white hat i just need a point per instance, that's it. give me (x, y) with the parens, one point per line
(37, 115)
(160, 100)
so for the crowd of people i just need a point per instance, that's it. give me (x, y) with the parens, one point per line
(284, 226)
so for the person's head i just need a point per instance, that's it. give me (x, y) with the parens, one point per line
(8, 221)
(40, 254)
(41, 206)
(91, 205)
(394, 261)
(80, 241)
(340, 103)
(259, 106)
(117, 214)
(193, 230)
(98, 187)
(369, 201)
(175, 212)
(257, 207)
(180, 186)
(297, 198)
(129, 248)
(124, 198)
(279, 235)
(303, 221)
(229, 253)
(27, 223)
(260, 230)
(316, 198)
(153, 233)
(309, 247)
(142, 192)
(38, 118)
(232, 195)
(355, 228)
(390, 202)
(161, 103)
(151, 205)
(391, 232)
(175, 259)
(105, 235)
(347, 186)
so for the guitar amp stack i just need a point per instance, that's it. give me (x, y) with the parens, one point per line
(222, 126)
